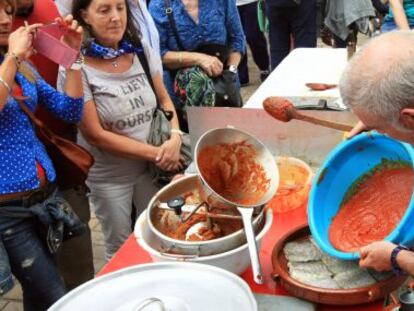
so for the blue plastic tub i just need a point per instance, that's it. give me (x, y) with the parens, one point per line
(343, 166)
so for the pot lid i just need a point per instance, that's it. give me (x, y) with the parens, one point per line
(172, 286)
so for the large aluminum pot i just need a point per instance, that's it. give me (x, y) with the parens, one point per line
(194, 248)
(236, 260)
(172, 286)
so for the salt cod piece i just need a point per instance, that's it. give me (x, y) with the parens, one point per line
(354, 279)
(316, 268)
(302, 251)
(322, 281)
(336, 266)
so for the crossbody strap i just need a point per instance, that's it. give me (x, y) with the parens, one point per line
(32, 116)
(144, 62)
(173, 25)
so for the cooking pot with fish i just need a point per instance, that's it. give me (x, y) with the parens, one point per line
(162, 220)
(354, 290)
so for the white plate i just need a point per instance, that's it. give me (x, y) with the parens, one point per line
(181, 287)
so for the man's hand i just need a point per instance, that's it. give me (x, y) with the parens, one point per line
(377, 255)
(359, 128)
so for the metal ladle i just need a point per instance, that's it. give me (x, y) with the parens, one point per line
(266, 160)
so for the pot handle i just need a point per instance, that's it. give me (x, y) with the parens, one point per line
(374, 293)
(146, 302)
(165, 253)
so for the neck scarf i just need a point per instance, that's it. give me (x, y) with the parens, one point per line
(98, 51)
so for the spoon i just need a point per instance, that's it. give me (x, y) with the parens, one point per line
(320, 86)
(283, 110)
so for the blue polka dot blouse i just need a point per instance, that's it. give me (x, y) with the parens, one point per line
(19, 146)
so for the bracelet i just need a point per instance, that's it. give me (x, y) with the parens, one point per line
(5, 84)
(16, 58)
(395, 267)
(78, 63)
(176, 131)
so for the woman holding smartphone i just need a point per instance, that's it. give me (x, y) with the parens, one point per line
(27, 176)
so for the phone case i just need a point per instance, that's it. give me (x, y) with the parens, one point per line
(47, 42)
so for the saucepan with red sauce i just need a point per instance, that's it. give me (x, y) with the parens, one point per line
(363, 193)
(237, 171)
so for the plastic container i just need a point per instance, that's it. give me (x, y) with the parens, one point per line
(295, 177)
(343, 166)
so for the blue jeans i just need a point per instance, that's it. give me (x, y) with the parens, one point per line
(32, 264)
(256, 40)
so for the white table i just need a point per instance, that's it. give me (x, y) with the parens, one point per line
(301, 66)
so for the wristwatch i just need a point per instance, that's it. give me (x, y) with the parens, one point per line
(395, 267)
(78, 63)
(232, 68)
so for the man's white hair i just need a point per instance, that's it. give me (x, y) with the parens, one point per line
(379, 79)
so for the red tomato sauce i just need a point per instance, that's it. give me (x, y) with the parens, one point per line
(374, 211)
(232, 171)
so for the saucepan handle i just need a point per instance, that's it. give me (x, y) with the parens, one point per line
(247, 215)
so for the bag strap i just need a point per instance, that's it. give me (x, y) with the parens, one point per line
(144, 63)
(173, 25)
(32, 116)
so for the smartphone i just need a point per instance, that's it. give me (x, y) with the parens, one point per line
(47, 42)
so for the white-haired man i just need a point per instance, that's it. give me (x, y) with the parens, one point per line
(378, 85)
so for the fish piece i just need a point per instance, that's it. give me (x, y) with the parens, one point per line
(354, 279)
(323, 281)
(336, 266)
(302, 251)
(316, 268)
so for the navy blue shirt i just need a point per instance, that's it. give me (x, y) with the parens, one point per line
(219, 23)
(19, 146)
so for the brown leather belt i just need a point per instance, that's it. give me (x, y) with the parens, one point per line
(27, 198)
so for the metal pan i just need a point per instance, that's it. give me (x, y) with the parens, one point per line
(265, 159)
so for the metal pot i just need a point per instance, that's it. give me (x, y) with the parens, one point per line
(236, 260)
(407, 301)
(193, 248)
(173, 286)
(265, 159)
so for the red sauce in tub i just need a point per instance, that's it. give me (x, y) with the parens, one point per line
(374, 210)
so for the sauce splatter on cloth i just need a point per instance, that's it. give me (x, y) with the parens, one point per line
(373, 206)
(232, 171)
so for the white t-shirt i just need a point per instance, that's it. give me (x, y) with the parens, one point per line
(125, 103)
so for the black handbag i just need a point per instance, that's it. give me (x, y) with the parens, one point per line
(225, 85)
(160, 132)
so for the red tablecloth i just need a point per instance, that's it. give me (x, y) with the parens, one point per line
(132, 254)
